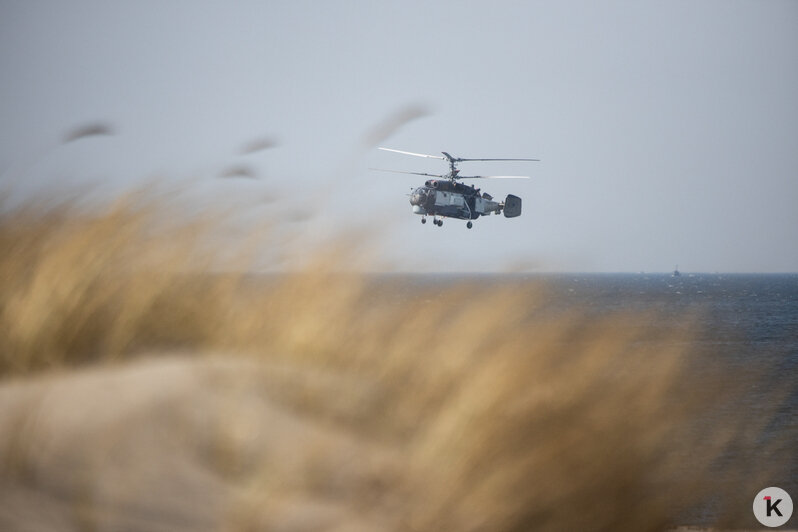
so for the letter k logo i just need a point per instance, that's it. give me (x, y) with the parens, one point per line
(772, 507)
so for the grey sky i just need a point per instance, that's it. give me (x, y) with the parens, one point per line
(668, 131)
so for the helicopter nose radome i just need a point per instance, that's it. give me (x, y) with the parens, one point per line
(418, 202)
(419, 196)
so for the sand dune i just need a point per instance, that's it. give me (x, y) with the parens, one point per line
(174, 443)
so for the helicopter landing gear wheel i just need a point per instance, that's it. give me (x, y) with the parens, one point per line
(423, 220)
(469, 225)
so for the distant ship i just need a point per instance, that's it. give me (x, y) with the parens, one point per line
(676, 272)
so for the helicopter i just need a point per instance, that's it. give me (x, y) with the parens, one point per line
(446, 197)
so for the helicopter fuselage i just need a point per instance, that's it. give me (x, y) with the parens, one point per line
(442, 197)
(447, 197)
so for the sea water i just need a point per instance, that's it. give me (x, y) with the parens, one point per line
(746, 324)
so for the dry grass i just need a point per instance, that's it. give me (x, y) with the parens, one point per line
(322, 400)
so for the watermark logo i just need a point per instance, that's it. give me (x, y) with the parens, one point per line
(772, 507)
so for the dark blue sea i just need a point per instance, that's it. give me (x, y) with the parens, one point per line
(746, 324)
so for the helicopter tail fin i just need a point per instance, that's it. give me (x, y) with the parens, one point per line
(512, 206)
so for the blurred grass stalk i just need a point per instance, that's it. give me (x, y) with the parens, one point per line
(140, 386)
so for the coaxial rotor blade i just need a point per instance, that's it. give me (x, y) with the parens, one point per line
(402, 172)
(493, 177)
(416, 154)
(460, 159)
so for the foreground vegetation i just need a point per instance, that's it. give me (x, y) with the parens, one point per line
(318, 399)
